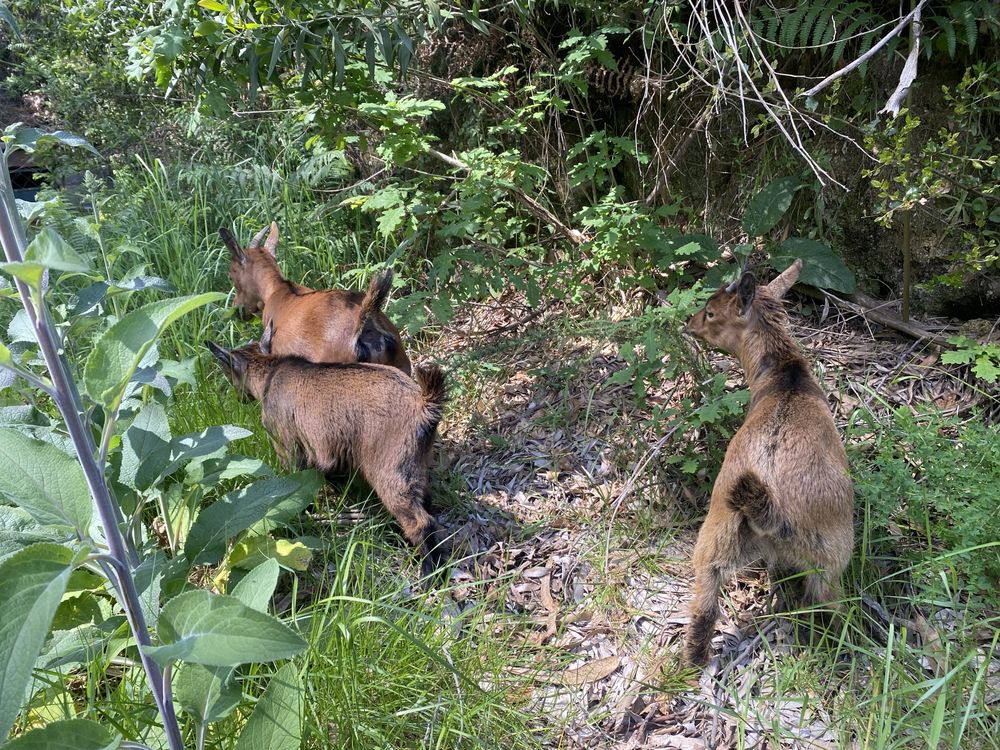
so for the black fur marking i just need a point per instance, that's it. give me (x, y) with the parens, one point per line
(751, 497)
(700, 638)
(435, 550)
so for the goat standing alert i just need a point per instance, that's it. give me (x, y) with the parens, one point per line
(783, 493)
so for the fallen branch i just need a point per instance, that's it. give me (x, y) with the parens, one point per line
(874, 310)
(537, 209)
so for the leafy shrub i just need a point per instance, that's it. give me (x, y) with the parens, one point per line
(929, 486)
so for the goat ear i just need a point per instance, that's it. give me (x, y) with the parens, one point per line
(265, 340)
(746, 290)
(235, 251)
(271, 244)
(223, 355)
(786, 279)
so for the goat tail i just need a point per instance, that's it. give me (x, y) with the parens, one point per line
(751, 497)
(374, 299)
(434, 389)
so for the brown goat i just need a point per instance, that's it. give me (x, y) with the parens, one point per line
(783, 493)
(338, 417)
(327, 325)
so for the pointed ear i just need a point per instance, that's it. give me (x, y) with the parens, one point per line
(223, 355)
(271, 244)
(786, 279)
(235, 251)
(235, 362)
(746, 291)
(265, 340)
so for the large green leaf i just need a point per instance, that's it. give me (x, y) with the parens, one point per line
(220, 631)
(145, 445)
(46, 250)
(187, 448)
(43, 480)
(271, 500)
(821, 266)
(207, 693)
(72, 734)
(32, 583)
(149, 453)
(121, 348)
(19, 530)
(276, 721)
(766, 208)
(256, 588)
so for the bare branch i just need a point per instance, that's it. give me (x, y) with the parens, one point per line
(869, 54)
(909, 73)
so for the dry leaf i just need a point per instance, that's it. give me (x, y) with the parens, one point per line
(592, 671)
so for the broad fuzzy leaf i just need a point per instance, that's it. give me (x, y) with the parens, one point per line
(257, 586)
(43, 480)
(271, 500)
(121, 348)
(46, 250)
(276, 721)
(220, 631)
(73, 734)
(207, 693)
(767, 207)
(32, 583)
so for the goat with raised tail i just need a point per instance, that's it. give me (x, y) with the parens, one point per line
(783, 493)
(325, 325)
(339, 417)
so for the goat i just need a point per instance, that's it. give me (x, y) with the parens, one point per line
(326, 325)
(338, 417)
(783, 493)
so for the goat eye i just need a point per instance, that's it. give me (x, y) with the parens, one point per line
(709, 314)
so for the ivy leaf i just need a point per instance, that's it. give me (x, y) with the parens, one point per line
(986, 369)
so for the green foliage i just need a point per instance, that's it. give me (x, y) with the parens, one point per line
(984, 358)
(199, 627)
(71, 734)
(276, 721)
(32, 582)
(821, 266)
(936, 479)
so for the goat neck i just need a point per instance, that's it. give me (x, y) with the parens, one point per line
(766, 343)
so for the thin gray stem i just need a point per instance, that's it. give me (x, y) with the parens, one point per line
(68, 401)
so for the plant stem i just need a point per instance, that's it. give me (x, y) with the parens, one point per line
(67, 399)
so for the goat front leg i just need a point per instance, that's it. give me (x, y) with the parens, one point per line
(716, 556)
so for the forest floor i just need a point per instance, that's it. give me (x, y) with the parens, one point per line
(563, 517)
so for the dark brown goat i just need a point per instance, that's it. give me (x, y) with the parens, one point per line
(327, 325)
(783, 493)
(338, 417)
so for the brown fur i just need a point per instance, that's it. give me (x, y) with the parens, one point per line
(327, 325)
(783, 493)
(338, 417)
